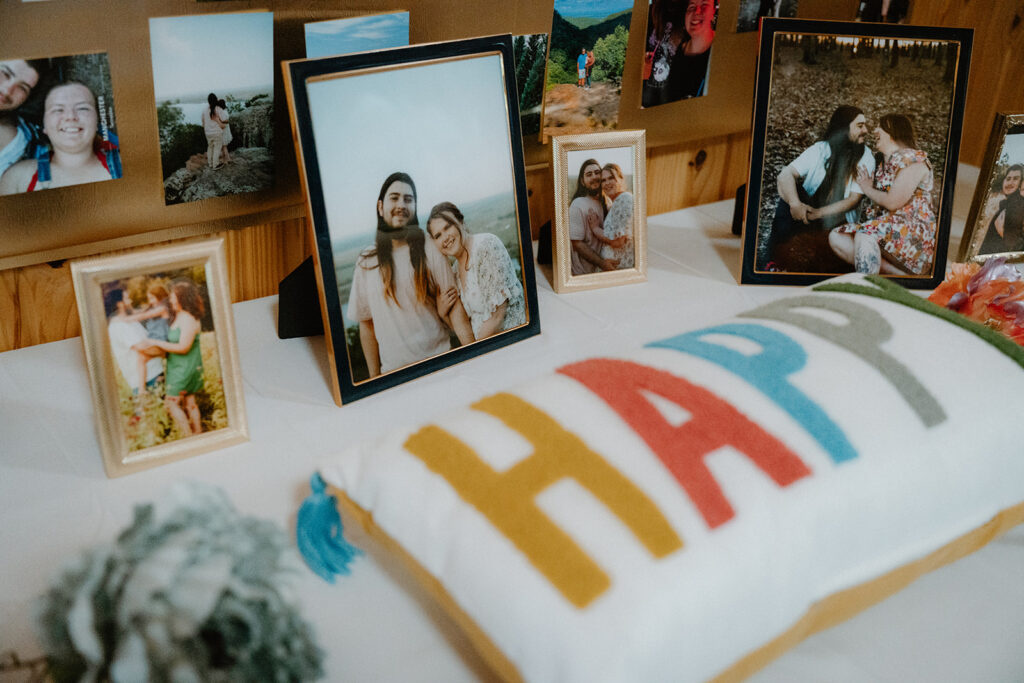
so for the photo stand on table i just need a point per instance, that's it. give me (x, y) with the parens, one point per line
(298, 304)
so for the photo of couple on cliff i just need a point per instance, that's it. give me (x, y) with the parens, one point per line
(213, 81)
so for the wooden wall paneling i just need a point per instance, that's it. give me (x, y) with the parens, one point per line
(46, 309)
(10, 317)
(260, 256)
(997, 69)
(37, 302)
(541, 196)
(695, 173)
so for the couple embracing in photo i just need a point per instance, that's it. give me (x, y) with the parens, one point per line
(821, 191)
(412, 290)
(601, 220)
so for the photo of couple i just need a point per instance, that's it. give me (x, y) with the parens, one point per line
(423, 241)
(860, 190)
(214, 115)
(584, 65)
(164, 347)
(1001, 219)
(57, 124)
(601, 211)
(417, 293)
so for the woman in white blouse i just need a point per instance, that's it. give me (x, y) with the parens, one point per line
(485, 277)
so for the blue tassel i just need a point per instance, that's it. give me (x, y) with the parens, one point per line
(318, 532)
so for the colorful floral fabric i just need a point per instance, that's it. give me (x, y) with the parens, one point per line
(906, 235)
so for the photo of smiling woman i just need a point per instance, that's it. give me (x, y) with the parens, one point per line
(680, 34)
(486, 282)
(62, 122)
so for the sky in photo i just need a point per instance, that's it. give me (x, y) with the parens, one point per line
(444, 123)
(591, 8)
(217, 53)
(623, 156)
(357, 34)
(1013, 148)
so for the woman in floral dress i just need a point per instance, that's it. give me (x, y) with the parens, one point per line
(619, 219)
(897, 236)
(485, 277)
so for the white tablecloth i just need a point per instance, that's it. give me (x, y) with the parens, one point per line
(964, 622)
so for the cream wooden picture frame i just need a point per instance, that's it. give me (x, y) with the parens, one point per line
(570, 154)
(154, 405)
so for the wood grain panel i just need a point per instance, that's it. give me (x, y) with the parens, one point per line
(46, 309)
(261, 255)
(695, 173)
(541, 197)
(9, 316)
(997, 70)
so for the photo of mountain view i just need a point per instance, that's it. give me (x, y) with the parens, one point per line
(584, 76)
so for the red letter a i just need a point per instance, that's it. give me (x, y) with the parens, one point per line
(714, 423)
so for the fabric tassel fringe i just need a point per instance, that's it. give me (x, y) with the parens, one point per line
(318, 532)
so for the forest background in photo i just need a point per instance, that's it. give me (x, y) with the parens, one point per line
(812, 75)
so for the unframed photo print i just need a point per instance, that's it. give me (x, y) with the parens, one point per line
(356, 34)
(57, 123)
(213, 81)
(751, 12)
(530, 54)
(677, 57)
(585, 62)
(884, 11)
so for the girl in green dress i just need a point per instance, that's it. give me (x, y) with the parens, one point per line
(184, 375)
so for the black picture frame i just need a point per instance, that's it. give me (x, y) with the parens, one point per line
(948, 49)
(398, 76)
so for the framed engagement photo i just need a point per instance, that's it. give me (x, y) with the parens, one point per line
(600, 210)
(160, 345)
(995, 224)
(854, 151)
(412, 164)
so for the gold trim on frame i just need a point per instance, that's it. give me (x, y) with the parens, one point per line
(974, 232)
(563, 280)
(343, 388)
(88, 275)
(950, 162)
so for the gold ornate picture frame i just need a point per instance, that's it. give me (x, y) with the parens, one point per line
(995, 223)
(161, 351)
(600, 210)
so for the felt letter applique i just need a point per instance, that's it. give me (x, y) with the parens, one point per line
(863, 334)
(768, 370)
(713, 423)
(507, 498)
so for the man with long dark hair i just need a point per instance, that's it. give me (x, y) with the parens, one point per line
(1005, 231)
(395, 286)
(19, 80)
(819, 188)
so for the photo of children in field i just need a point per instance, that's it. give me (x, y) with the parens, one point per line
(165, 353)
